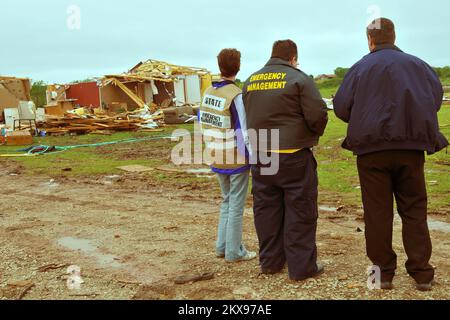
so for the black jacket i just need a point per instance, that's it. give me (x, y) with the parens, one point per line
(282, 97)
(390, 100)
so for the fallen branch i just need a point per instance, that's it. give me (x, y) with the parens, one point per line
(52, 266)
(25, 291)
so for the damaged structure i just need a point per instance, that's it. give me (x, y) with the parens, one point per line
(151, 94)
(153, 84)
(12, 91)
(15, 102)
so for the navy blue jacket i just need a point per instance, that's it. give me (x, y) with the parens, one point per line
(390, 100)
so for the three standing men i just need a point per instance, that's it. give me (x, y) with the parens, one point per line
(390, 100)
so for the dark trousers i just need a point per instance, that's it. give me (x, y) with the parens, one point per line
(285, 207)
(400, 174)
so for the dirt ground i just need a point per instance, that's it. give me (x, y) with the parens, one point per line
(131, 237)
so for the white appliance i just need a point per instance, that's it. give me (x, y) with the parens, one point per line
(11, 114)
(180, 91)
(193, 89)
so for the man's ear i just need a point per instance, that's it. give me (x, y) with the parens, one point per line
(371, 43)
(294, 62)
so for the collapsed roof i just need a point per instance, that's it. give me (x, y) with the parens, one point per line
(159, 71)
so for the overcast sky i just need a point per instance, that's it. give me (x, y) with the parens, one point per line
(41, 39)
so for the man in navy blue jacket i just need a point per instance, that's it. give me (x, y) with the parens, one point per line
(390, 100)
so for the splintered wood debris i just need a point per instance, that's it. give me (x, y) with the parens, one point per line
(97, 123)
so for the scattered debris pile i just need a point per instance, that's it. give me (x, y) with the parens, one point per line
(81, 121)
(156, 83)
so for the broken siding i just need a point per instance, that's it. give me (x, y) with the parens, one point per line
(86, 94)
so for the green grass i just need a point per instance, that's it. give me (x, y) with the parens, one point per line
(89, 161)
(438, 167)
(337, 167)
(328, 92)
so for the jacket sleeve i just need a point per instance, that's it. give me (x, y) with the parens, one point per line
(240, 126)
(436, 85)
(314, 107)
(344, 99)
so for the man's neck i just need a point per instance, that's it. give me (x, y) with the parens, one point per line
(383, 46)
(232, 79)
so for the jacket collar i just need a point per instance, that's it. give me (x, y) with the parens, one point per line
(278, 61)
(386, 47)
(222, 83)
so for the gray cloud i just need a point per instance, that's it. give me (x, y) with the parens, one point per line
(116, 35)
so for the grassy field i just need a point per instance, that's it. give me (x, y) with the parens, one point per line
(337, 167)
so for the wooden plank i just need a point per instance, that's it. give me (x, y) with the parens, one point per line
(130, 93)
(102, 125)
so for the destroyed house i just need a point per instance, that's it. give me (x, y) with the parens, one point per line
(152, 83)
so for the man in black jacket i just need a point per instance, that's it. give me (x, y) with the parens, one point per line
(390, 100)
(280, 98)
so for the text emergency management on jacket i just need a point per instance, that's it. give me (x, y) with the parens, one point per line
(269, 85)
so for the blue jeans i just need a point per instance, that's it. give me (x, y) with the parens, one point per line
(234, 193)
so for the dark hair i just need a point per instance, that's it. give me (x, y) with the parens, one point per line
(285, 49)
(229, 62)
(382, 31)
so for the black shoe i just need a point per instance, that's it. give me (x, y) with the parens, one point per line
(270, 271)
(425, 286)
(320, 271)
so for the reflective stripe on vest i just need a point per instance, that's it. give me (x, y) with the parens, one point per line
(215, 120)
